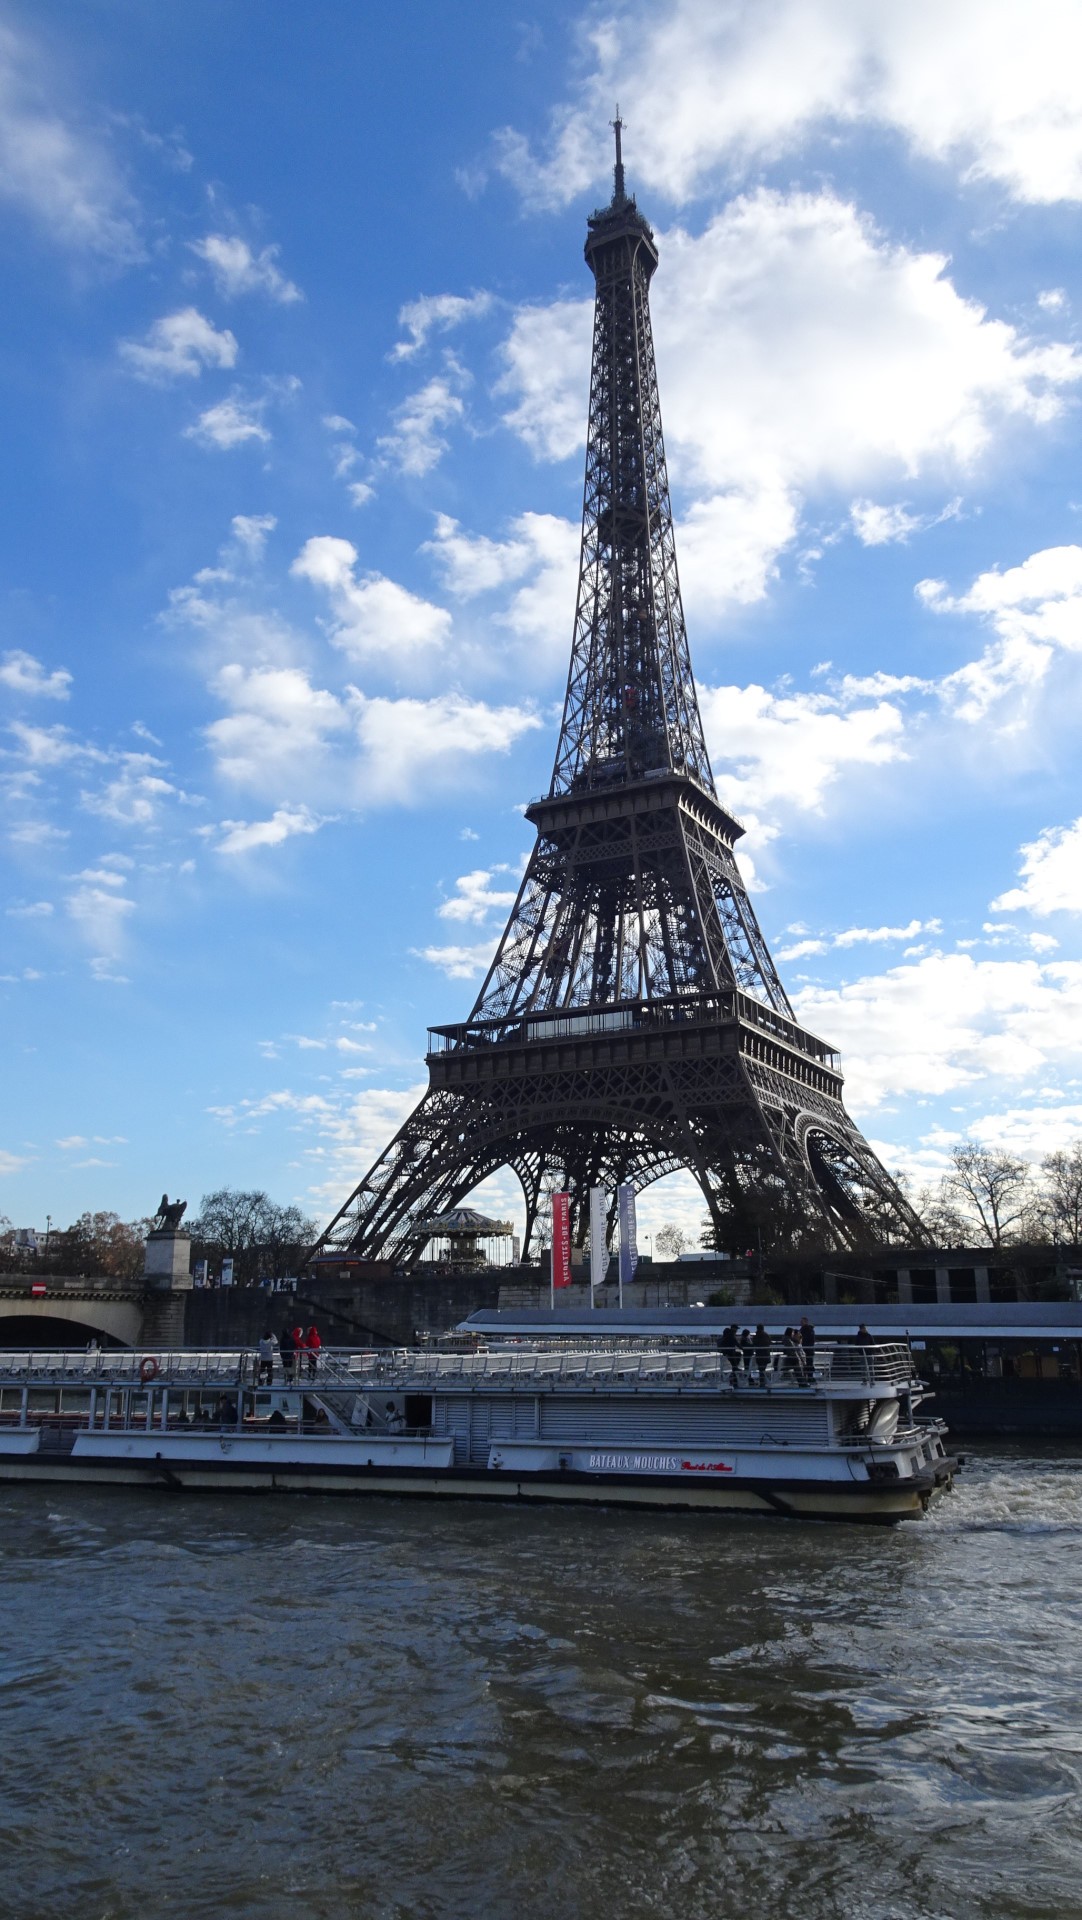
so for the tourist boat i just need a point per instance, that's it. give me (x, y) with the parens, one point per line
(619, 1423)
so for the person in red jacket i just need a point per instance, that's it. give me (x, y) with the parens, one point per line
(313, 1344)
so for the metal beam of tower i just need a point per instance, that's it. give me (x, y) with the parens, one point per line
(632, 1021)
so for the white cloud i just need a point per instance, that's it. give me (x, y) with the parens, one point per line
(539, 558)
(436, 313)
(12, 1162)
(949, 1021)
(239, 836)
(1029, 1131)
(417, 442)
(798, 344)
(135, 796)
(230, 423)
(282, 1100)
(60, 175)
(873, 936)
(52, 746)
(472, 563)
(360, 492)
(459, 963)
(475, 897)
(238, 270)
(800, 352)
(279, 723)
(878, 526)
(802, 348)
(546, 370)
(1034, 610)
(729, 544)
(787, 749)
(742, 85)
(374, 615)
(30, 910)
(100, 913)
(858, 936)
(23, 674)
(413, 745)
(1053, 300)
(250, 530)
(1051, 874)
(179, 345)
(300, 745)
(36, 833)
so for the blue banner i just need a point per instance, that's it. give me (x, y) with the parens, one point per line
(629, 1252)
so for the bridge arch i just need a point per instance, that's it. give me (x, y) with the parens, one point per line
(59, 1322)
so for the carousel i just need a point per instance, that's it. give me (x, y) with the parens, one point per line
(465, 1239)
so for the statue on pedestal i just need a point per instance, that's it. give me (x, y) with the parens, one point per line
(169, 1215)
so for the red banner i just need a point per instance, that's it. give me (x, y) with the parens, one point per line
(561, 1240)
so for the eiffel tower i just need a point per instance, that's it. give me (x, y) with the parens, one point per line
(632, 1021)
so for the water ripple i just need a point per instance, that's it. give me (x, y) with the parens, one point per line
(387, 1711)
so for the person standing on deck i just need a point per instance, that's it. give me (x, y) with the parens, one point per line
(730, 1347)
(313, 1346)
(265, 1369)
(807, 1341)
(762, 1352)
(288, 1351)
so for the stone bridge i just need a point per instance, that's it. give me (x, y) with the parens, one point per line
(73, 1309)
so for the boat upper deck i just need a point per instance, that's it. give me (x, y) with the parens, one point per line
(841, 1370)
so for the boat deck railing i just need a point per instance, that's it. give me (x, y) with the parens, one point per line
(837, 1365)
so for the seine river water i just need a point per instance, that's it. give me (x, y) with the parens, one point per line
(328, 1709)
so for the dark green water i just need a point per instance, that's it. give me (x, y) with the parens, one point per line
(305, 1707)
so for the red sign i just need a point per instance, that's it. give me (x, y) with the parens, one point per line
(561, 1240)
(37, 1287)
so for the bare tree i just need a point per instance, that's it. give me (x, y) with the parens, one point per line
(1062, 1196)
(671, 1240)
(252, 1230)
(940, 1216)
(991, 1190)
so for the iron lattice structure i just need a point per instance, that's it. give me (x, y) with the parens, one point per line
(632, 1021)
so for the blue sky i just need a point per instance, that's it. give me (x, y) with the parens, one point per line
(294, 358)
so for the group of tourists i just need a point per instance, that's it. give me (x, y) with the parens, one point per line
(791, 1353)
(293, 1347)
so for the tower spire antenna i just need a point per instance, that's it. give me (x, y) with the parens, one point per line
(617, 126)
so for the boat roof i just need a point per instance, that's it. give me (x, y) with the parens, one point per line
(996, 1320)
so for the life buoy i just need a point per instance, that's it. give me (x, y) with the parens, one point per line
(149, 1371)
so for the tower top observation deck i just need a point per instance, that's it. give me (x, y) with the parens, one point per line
(620, 220)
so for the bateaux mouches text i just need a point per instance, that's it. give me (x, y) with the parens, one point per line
(655, 1463)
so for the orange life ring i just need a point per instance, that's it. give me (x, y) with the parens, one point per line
(149, 1371)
